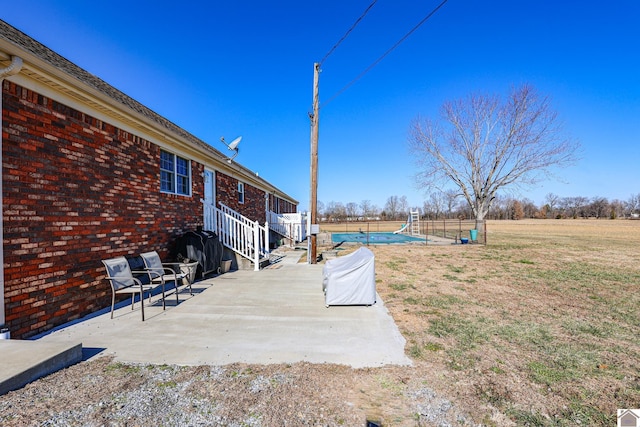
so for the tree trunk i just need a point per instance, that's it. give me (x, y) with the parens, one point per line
(480, 223)
(481, 211)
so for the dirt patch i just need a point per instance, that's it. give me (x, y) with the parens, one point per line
(102, 392)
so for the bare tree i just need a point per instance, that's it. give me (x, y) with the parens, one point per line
(429, 210)
(320, 209)
(499, 208)
(633, 204)
(352, 211)
(339, 211)
(403, 206)
(436, 203)
(484, 145)
(599, 207)
(391, 207)
(367, 209)
(617, 209)
(529, 208)
(329, 211)
(451, 196)
(335, 211)
(566, 207)
(583, 206)
(574, 207)
(397, 207)
(552, 203)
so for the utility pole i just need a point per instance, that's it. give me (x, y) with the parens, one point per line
(313, 201)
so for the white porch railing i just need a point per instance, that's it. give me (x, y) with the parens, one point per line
(290, 225)
(238, 233)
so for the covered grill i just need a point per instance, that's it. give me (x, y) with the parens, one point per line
(202, 246)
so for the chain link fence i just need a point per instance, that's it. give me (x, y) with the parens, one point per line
(441, 231)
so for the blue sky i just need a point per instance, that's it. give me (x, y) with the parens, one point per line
(246, 68)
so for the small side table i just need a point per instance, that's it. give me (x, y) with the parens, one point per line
(189, 269)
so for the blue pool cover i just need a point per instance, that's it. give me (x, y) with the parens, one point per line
(374, 238)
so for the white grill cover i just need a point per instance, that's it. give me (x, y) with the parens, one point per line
(350, 280)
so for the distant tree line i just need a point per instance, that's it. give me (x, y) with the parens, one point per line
(450, 205)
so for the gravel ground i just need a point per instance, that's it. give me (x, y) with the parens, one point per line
(101, 392)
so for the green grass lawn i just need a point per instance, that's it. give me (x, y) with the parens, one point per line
(541, 325)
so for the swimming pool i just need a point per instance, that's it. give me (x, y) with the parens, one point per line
(374, 238)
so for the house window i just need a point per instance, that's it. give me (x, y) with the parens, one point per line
(240, 192)
(175, 174)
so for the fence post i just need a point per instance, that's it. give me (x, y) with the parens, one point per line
(426, 234)
(367, 234)
(484, 227)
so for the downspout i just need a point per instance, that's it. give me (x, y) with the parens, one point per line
(12, 69)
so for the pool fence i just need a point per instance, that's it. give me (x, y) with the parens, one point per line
(449, 229)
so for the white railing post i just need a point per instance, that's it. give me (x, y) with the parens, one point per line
(256, 247)
(212, 209)
(238, 233)
(291, 225)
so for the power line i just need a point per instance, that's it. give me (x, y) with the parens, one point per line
(335, 46)
(384, 54)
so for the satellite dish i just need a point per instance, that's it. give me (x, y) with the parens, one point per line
(234, 144)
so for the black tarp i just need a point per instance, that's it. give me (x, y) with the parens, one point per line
(202, 246)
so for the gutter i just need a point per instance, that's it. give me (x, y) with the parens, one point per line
(10, 70)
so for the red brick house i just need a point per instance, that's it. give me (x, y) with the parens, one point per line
(88, 173)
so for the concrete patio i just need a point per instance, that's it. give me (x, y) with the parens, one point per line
(276, 315)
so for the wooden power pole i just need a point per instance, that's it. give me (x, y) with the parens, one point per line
(313, 202)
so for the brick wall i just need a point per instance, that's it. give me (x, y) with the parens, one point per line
(77, 190)
(254, 203)
(281, 206)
